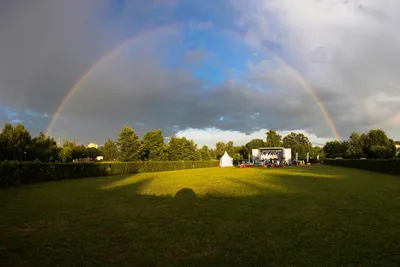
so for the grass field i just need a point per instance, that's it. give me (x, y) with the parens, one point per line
(304, 216)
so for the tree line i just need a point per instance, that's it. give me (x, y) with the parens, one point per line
(373, 145)
(16, 143)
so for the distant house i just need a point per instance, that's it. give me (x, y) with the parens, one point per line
(92, 145)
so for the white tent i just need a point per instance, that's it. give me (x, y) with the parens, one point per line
(226, 161)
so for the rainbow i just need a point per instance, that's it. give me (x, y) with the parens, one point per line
(111, 54)
(314, 95)
(120, 48)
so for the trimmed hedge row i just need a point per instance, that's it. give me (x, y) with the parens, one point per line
(390, 166)
(16, 173)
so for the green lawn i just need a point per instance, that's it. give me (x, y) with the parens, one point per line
(301, 216)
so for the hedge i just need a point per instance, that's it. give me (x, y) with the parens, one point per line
(390, 166)
(16, 173)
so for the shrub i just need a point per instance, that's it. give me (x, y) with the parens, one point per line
(16, 173)
(390, 166)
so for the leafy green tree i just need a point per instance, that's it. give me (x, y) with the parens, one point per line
(79, 152)
(230, 149)
(273, 139)
(128, 144)
(205, 153)
(379, 152)
(198, 155)
(153, 146)
(212, 153)
(397, 146)
(243, 151)
(316, 151)
(3, 146)
(110, 150)
(44, 149)
(299, 143)
(392, 150)
(354, 146)
(377, 138)
(334, 149)
(182, 149)
(220, 149)
(66, 151)
(6, 141)
(16, 142)
(255, 144)
(93, 152)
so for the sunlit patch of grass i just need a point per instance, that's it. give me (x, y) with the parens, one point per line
(221, 182)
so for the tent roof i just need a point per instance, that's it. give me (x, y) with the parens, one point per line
(226, 155)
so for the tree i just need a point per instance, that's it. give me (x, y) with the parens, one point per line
(316, 151)
(255, 144)
(205, 153)
(273, 139)
(15, 142)
(6, 141)
(243, 151)
(182, 149)
(392, 149)
(378, 139)
(220, 149)
(212, 153)
(44, 149)
(354, 146)
(79, 152)
(334, 149)
(66, 151)
(380, 152)
(230, 149)
(93, 152)
(110, 150)
(153, 147)
(299, 143)
(128, 144)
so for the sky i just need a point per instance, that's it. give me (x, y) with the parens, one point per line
(209, 70)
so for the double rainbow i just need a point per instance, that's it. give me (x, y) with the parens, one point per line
(119, 49)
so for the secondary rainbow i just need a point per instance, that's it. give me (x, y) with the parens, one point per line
(119, 49)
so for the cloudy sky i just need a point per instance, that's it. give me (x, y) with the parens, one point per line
(210, 70)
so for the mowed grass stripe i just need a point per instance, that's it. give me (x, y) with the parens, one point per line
(300, 216)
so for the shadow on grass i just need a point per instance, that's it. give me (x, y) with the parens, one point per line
(310, 224)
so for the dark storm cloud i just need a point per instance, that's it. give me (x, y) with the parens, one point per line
(125, 91)
(47, 45)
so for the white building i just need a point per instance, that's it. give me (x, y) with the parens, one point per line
(92, 145)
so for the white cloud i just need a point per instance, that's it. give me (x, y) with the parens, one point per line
(350, 48)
